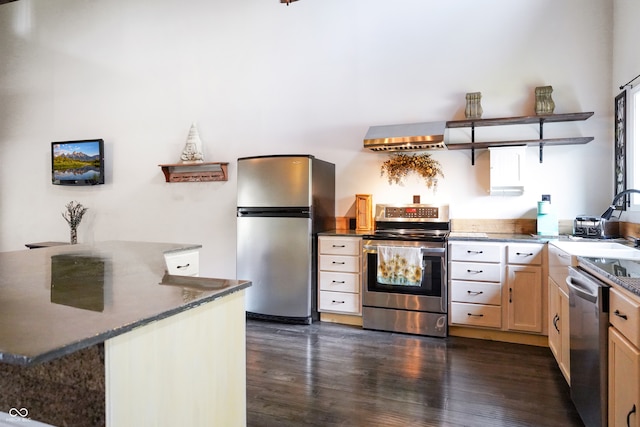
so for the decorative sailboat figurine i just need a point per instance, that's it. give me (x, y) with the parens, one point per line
(192, 152)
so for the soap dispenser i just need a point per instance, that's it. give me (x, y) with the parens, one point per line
(547, 220)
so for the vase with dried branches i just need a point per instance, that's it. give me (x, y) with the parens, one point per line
(73, 216)
(401, 165)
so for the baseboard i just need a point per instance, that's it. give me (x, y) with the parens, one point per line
(503, 336)
(344, 319)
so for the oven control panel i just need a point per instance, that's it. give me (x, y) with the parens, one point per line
(412, 212)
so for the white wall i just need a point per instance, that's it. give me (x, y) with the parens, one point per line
(259, 77)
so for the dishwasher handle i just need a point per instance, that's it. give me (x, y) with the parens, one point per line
(581, 290)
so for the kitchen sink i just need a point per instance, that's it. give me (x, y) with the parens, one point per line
(598, 249)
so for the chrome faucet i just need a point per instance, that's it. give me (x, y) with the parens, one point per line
(612, 207)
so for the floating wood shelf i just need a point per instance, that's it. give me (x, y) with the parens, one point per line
(195, 172)
(522, 120)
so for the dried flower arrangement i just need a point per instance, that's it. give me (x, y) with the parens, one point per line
(400, 165)
(73, 216)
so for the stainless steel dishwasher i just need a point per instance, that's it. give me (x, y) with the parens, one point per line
(588, 326)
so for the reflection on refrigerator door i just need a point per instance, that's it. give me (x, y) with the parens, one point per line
(275, 254)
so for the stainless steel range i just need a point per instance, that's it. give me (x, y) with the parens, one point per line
(405, 284)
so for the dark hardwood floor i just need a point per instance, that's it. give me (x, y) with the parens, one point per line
(335, 375)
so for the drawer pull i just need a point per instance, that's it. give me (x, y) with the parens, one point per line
(338, 246)
(183, 266)
(475, 292)
(474, 271)
(555, 322)
(524, 253)
(474, 252)
(622, 316)
(475, 315)
(336, 302)
(510, 295)
(337, 281)
(338, 262)
(632, 411)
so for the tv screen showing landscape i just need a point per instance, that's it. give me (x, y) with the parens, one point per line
(77, 162)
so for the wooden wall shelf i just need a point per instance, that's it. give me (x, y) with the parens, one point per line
(540, 120)
(195, 172)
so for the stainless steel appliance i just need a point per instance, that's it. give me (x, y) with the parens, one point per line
(588, 325)
(415, 307)
(283, 202)
(406, 137)
(595, 227)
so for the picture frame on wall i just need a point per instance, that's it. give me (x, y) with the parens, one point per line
(620, 149)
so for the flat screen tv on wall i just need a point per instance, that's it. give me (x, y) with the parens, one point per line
(77, 162)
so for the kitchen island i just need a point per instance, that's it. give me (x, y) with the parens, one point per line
(101, 335)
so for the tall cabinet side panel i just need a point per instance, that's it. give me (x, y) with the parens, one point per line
(324, 195)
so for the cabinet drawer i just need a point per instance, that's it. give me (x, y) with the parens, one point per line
(476, 271)
(342, 302)
(186, 263)
(350, 264)
(621, 306)
(524, 254)
(488, 316)
(476, 292)
(339, 282)
(475, 252)
(339, 245)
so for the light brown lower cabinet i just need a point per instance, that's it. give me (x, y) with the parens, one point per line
(559, 326)
(624, 381)
(624, 358)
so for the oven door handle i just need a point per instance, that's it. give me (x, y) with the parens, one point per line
(425, 251)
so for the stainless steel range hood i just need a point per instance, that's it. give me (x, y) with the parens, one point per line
(407, 137)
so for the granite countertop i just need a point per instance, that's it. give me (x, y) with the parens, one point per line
(61, 299)
(500, 237)
(622, 272)
(464, 236)
(348, 233)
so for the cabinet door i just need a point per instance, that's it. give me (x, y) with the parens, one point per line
(559, 327)
(524, 298)
(563, 323)
(555, 342)
(624, 381)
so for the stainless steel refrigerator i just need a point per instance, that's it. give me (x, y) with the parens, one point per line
(283, 202)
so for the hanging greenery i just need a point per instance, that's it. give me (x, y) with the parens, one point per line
(400, 165)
